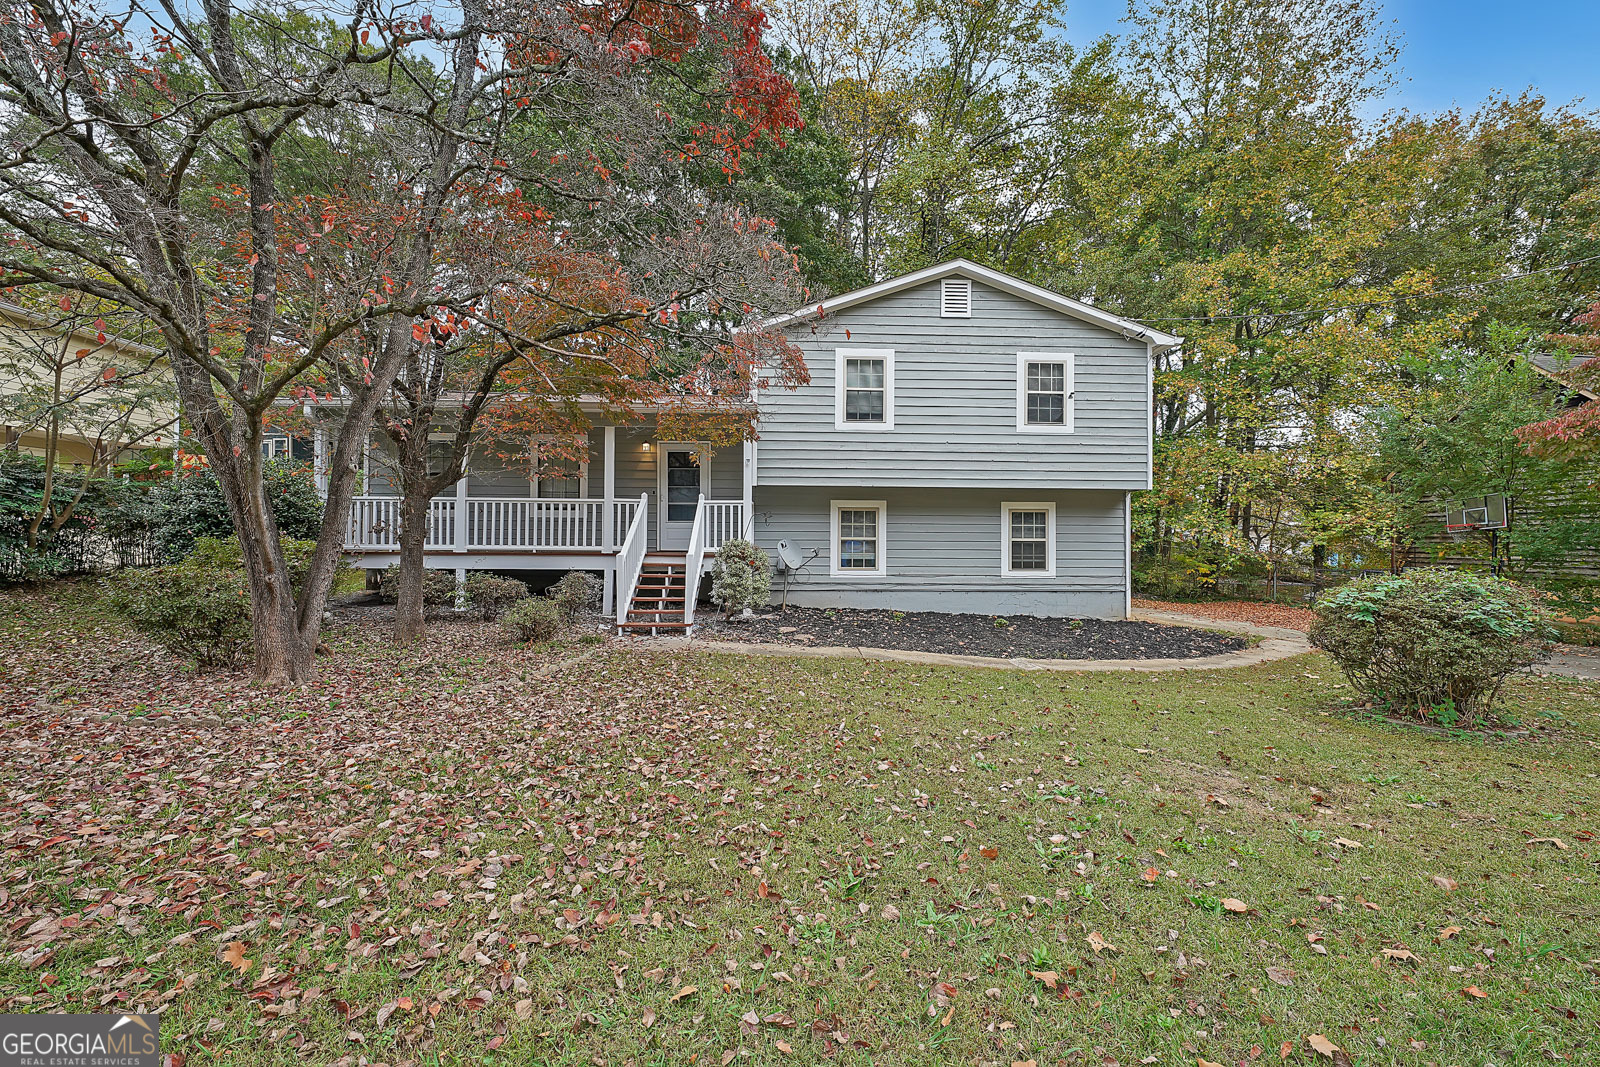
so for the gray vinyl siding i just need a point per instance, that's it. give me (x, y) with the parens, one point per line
(943, 551)
(955, 400)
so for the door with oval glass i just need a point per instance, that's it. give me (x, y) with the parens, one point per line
(681, 473)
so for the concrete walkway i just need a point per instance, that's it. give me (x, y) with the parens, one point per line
(1276, 643)
(1572, 661)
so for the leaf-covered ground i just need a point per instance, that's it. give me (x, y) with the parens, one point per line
(587, 854)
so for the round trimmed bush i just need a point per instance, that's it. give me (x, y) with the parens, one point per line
(438, 586)
(491, 595)
(577, 593)
(532, 620)
(1435, 642)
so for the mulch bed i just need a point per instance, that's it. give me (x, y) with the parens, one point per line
(973, 635)
(1261, 614)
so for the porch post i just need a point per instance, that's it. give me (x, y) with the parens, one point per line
(748, 518)
(461, 516)
(608, 517)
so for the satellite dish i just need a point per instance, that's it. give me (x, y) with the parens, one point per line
(791, 559)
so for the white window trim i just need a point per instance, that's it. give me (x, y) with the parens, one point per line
(882, 569)
(944, 287)
(842, 354)
(1071, 378)
(1049, 508)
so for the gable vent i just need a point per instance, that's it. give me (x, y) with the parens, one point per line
(955, 298)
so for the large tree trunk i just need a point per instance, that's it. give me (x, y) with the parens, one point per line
(409, 610)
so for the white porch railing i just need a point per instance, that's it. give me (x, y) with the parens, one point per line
(725, 520)
(513, 524)
(693, 556)
(630, 558)
(534, 524)
(521, 524)
(375, 523)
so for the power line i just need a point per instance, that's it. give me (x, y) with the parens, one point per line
(1372, 303)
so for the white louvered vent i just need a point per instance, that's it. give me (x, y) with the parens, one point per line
(955, 299)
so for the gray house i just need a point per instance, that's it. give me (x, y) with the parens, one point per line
(968, 442)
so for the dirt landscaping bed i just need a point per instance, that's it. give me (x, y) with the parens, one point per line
(1261, 614)
(974, 635)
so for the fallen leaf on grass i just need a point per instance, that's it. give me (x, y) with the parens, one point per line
(1447, 932)
(686, 991)
(1474, 992)
(1443, 882)
(648, 1019)
(989, 852)
(1345, 842)
(1281, 975)
(890, 912)
(1556, 841)
(1235, 905)
(1150, 874)
(1099, 944)
(1285, 1050)
(784, 1047)
(1047, 977)
(1400, 954)
(234, 956)
(1024, 1063)
(940, 996)
(1201, 1061)
(1322, 1046)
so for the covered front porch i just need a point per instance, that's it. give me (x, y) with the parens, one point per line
(633, 495)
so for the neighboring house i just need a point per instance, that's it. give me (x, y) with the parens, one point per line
(117, 396)
(968, 442)
(1437, 547)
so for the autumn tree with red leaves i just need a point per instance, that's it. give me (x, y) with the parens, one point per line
(1575, 432)
(285, 199)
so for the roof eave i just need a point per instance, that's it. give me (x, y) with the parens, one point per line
(1129, 328)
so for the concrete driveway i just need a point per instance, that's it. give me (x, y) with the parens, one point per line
(1572, 661)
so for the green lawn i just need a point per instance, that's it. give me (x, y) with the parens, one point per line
(583, 854)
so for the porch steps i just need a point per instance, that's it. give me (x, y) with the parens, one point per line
(658, 601)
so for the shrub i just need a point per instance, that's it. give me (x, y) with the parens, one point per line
(190, 505)
(438, 587)
(490, 595)
(199, 607)
(532, 619)
(577, 594)
(1437, 642)
(741, 577)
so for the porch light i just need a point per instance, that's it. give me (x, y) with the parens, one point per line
(646, 446)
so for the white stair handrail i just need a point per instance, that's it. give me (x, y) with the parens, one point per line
(630, 557)
(692, 559)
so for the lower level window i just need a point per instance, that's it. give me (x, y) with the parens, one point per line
(1027, 540)
(858, 537)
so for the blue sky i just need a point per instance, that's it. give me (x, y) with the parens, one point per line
(1457, 51)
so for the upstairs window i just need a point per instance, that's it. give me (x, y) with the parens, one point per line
(864, 389)
(955, 298)
(1027, 540)
(1044, 393)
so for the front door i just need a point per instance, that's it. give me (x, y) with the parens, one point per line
(680, 490)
